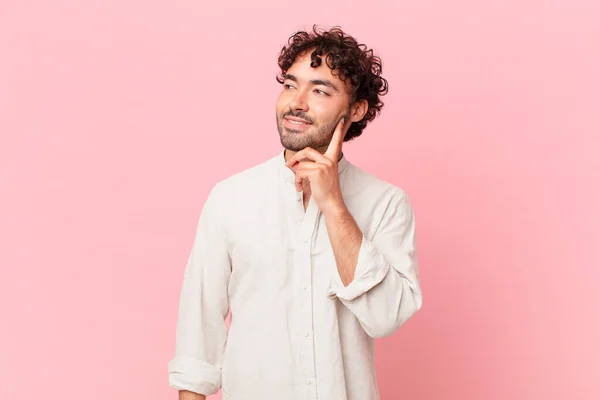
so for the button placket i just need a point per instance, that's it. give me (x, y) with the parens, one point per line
(305, 265)
(302, 224)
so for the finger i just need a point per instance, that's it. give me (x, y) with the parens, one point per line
(301, 175)
(335, 146)
(308, 154)
(306, 171)
(293, 162)
(307, 166)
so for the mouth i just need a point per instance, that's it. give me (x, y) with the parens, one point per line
(296, 123)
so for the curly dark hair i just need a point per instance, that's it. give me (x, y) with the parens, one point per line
(348, 60)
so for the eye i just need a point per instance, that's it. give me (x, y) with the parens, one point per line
(287, 86)
(321, 92)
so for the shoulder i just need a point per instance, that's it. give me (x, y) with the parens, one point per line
(375, 203)
(246, 181)
(372, 188)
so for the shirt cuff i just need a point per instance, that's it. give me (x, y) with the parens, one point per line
(371, 269)
(194, 375)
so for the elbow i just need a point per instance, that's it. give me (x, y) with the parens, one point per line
(381, 331)
(194, 375)
(395, 318)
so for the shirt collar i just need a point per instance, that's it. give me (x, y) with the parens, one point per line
(289, 176)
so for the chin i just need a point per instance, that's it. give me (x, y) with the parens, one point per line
(292, 146)
(289, 140)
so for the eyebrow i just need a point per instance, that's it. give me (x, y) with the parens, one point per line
(315, 82)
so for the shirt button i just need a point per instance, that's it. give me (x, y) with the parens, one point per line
(308, 382)
(305, 239)
(306, 334)
(304, 287)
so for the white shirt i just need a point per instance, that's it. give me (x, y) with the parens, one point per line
(296, 332)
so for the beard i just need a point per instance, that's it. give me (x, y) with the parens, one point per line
(316, 136)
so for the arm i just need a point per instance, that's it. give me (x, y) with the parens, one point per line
(203, 306)
(381, 274)
(185, 395)
(377, 279)
(346, 239)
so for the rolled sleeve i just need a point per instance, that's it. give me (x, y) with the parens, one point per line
(371, 269)
(194, 375)
(201, 332)
(385, 291)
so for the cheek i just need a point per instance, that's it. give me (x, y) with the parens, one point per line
(325, 115)
(282, 101)
(279, 105)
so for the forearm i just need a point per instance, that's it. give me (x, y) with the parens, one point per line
(186, 395)
(384, 291)
(196, 366)
(345, 237)
(382, 306)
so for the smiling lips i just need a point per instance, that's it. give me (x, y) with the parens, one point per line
(296, 121)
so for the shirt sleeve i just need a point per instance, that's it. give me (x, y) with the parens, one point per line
(385, 291)
(201, 332)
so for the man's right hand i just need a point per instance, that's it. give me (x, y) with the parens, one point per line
(186, 395)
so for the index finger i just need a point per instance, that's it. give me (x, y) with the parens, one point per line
(335, 146)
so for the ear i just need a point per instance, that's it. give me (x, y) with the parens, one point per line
(358, 110)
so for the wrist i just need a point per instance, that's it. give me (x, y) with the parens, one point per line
(335, 210)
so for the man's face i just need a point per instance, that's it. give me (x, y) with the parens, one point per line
(310, 105)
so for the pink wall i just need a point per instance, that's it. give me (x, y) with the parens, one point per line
(116, 117)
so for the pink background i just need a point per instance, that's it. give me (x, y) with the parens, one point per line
(117, 117)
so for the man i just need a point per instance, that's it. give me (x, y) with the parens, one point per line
(313, 257)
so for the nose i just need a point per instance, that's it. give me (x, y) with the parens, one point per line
(299, 101)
